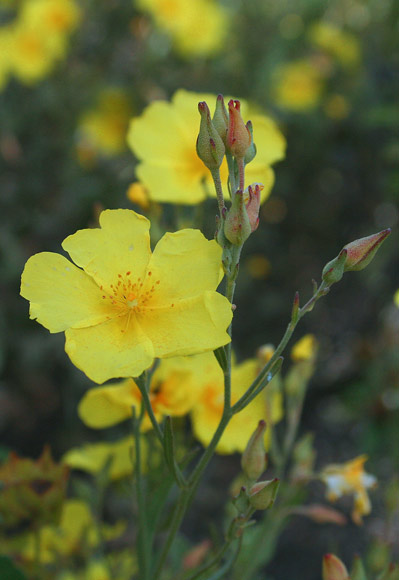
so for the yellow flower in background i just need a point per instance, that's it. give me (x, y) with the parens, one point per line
(171, 393)
(31, 53)
(37, 38)
(396, 298)
(93, 457)
(338, 43)
(197, 28)
(121, 306)
(350, 478)
(164, 137)
(102, 129)
(77, 529)
(304, 349)
(52, 17)
(138, 194)
(298, 85)
(208, 410)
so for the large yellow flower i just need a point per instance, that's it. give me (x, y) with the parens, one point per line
(164, 138)
(207, 412)
(127, 305)
(350, 478)
(197, 27)
(171, 393)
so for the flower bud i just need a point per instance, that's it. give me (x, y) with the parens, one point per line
(253, 460)
(358, 571)
(253, 203)
(334, 270)
(361, 252)
(210, 147)
(334, 569)
(237, 227)
(238, 138)
(220, 118)
(251, 151)
(262, 495)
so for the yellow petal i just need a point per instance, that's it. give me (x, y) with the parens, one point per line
(158, 133)
(121, 245)
(61, 295)
(171, 183)
(106, 406)
(190, 326)
(116, 348)
(270, 143)
(186, 263)
(93, 457)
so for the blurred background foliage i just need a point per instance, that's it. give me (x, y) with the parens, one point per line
(328, 73)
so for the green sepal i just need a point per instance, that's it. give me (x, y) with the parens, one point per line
(221, 357)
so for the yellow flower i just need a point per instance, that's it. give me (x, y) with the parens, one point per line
(171, 393)
(127, 305)
(207, 411)
(304, 349)
(197, 28)
(32, 54)
(51, 17)
(297, 85)
(164, 138)
(76, 530)
(396, 298)
(93, 457)
(138, 194)
(102, 130)
(340, 44)
(350, 478)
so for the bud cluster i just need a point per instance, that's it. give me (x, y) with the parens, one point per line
(226, 134)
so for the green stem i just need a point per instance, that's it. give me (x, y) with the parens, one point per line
(232, 177)
(241, 173)
(219, 191)
(143, 538)
(142, 383)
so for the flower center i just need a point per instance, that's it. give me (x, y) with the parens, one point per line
(127, 294)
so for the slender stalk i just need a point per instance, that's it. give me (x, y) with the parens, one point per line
(142, 383)
(219, 191)
(241, 173)
(231, 167)
(143, 542)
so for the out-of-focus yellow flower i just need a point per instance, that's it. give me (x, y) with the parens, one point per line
(164, 138)
(102, 130)
(93, 457)
(77, 530)
(338, 43)
(396, 298)
(138, 194)
(171, 393)
(258, 266)
(337, 107)
(298, 85)
(350, 478)
(31, 53)
(207, 411)
(127, 305)
(51, 17)
(304, 349)
(197, 28)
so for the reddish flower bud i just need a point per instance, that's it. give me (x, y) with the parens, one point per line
(334, 569)
(238, 135)
(237, 227)
(210, 147)
(361, 252)
(253, 460)
(253, 204)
